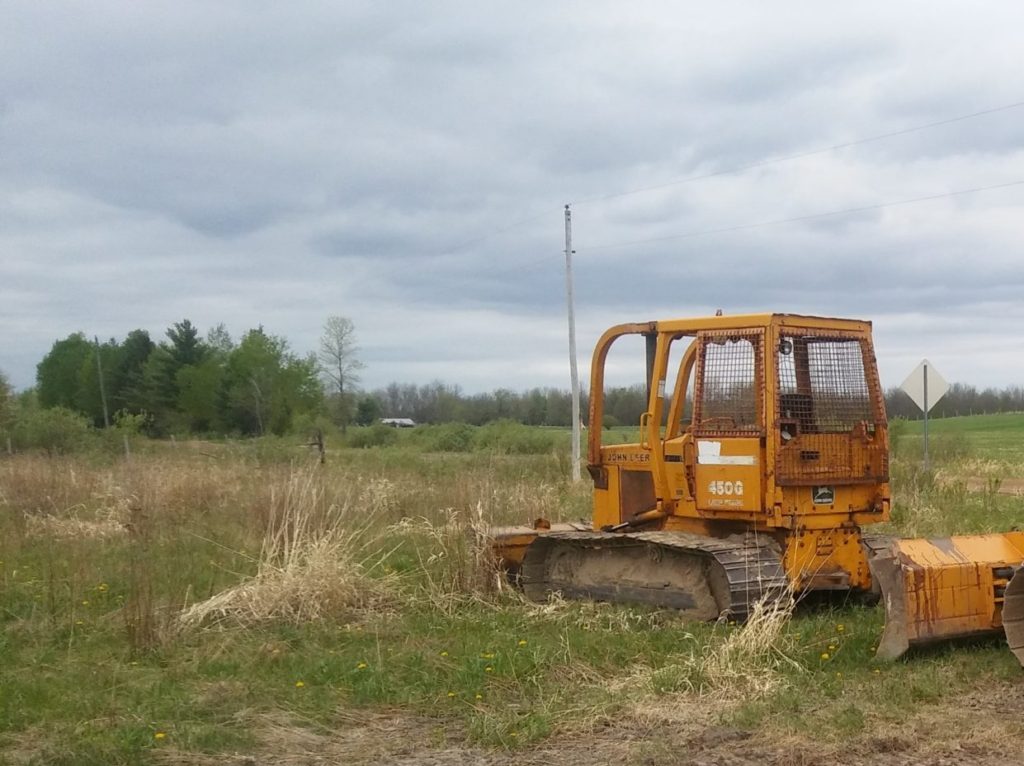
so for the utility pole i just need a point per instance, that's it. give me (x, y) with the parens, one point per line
(103, 390)
(573, 372)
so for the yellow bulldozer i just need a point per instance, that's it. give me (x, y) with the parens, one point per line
(763, 457)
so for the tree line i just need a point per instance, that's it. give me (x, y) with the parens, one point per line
(187, 382)
(960, 399)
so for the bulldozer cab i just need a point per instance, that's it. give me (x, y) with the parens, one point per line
(785, 421)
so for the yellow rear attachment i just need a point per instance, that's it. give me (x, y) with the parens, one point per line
(1013, 614)
(951, 587)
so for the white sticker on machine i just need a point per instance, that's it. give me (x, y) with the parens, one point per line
(710, 453)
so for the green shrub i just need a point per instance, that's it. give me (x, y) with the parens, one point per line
(57, 430)
(512, 438)
(445, 437)
(378, 435)
(305, 425)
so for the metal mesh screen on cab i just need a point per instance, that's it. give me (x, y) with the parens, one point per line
(728, 395)
(822, 385)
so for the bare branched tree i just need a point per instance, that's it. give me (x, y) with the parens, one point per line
(339, 361)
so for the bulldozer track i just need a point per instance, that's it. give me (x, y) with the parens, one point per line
(750, 570)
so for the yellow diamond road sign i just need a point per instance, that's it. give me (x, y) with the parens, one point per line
(925, 384)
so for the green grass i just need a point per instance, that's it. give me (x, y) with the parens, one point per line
(505, 677)
(83, 681)
(997, 437)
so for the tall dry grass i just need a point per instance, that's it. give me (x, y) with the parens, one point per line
(751, 661)
(454, 558)
(318, 559)
(224, 539)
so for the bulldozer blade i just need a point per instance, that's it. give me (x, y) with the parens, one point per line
(1013, 614)
(509, 544)
(949, 587)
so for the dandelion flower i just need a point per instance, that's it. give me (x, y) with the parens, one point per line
(840, 627)
(824, 655)
(361, 666)
(479, 696)
(451, 694)
(488, 669)
(85, 603)
(102, 587)
(159, 735)
(831, 647)
(299, 684)
(522, 642)
(876, 670)
(444, 654)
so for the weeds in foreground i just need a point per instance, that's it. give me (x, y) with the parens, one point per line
(453, 558)
(443, 643)
(750, 662)
(314, 562)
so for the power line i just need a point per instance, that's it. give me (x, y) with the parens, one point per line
(451, 250)
(801, 155)
(509, 268)
(809, 217)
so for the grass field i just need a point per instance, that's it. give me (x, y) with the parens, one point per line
(219, 603)
(994, 437)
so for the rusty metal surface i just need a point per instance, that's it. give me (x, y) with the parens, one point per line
(949, 587)
(886, 574)
(830, 404)
(752, 571)
(1013, 614)
(636, 493)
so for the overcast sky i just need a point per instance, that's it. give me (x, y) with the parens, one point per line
(406, 165)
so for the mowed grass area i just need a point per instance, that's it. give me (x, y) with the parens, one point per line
(356, 589)
(990, 437)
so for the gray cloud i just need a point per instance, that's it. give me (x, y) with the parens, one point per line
(252, 163)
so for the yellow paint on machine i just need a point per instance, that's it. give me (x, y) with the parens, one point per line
(775, 431)
(945, 587)
(728, 475)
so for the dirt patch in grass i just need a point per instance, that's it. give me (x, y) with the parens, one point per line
(982, 728)
(1014, 487)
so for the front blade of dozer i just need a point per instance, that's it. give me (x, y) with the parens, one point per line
(1013, 614)
(509, 544)
(950, 587)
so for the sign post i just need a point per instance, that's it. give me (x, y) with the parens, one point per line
(925, 387)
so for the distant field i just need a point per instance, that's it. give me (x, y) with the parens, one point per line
(999, 437)
(352, 621)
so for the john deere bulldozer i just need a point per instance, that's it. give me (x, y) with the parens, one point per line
(763, 458)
